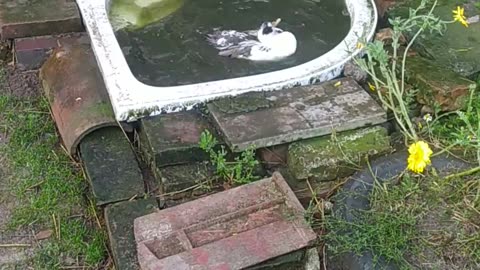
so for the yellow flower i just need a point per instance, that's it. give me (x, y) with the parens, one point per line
(371, 86)
(360, 45)
(338, 84)
(419, 156)
(459, 15)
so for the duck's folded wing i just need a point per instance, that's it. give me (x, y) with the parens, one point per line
(225, 39)
(242, 50)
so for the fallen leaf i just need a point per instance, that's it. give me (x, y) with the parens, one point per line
(42, 235)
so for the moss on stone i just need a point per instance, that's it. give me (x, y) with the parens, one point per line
(325, 158)
(437, 84)
(244, 103)
(180, 177)
(458, 48)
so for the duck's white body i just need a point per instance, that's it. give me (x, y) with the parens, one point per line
(271, 43)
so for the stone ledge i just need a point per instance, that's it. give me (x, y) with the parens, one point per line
(30, 18)
(272, 118)
(324, 159)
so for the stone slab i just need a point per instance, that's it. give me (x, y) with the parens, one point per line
(119, 219)
(28, 18)
(272, 118)
(325, 159)
(172, 139)
(234, 229)
(30, 53)
(111, 166)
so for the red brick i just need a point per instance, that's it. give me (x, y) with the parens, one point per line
(31, 53)
(234, 229)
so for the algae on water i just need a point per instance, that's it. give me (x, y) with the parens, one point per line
(135, 14)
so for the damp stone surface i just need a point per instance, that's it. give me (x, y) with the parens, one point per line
(437, 85)
(272, 118)
(111, 166)
(326, 158)
(119, 219)
(30, 18)
(173, 139)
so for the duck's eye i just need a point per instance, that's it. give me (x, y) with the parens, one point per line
(267, 30)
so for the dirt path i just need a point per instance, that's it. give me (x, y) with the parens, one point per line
(16, 246)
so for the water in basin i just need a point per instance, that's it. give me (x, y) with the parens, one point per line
(173, 51)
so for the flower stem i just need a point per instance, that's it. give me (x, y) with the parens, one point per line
(464, 173)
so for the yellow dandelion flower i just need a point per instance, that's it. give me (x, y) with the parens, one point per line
(371, 86)
(419, 156)
(360, 45)
(459, 15)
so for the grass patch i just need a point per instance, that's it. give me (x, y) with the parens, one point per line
(51, 188)
(417, 222)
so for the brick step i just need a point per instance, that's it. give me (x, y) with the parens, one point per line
(30, 18)
(264, 119)
(30, 53)
(247, 226)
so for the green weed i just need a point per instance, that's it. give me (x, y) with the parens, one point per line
(240, 171)
(411, 217)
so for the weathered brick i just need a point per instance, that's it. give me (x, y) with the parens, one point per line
(30, 18)
(437, 85)
(31, 53)
(180, 177)
(111, 166)
(278, 117)
(325, 158)
(235, 229)
(457, 48)
(173, 139)
(119, 218)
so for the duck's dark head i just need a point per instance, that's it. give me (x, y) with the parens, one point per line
(266, 28)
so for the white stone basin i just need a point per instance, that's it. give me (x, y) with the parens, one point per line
(132, 99)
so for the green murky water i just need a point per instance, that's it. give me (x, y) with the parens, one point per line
(173, 50)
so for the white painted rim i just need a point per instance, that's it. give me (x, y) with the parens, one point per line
(132, 99)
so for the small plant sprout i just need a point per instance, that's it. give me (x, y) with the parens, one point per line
(240, 171)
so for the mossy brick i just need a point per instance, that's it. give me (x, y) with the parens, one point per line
(180, 177)
(173, 139)
(457, 47)
(111, 166)
(28, 18)
(437, 85)
(119, 218)
(279, 117)
(325, 158)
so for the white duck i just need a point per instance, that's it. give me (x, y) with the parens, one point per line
(271, 43)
